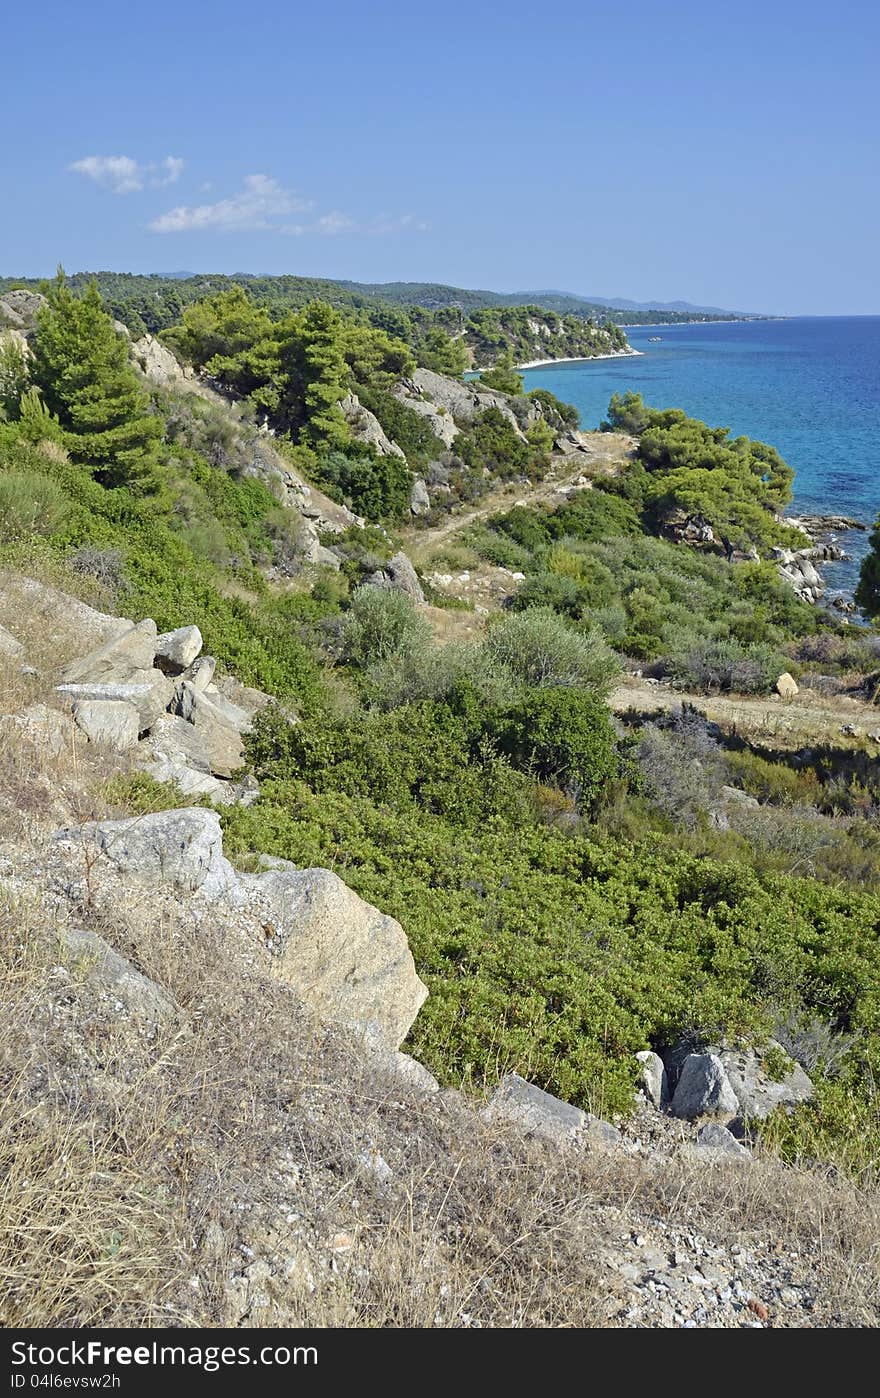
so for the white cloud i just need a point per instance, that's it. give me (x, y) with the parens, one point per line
(118, 173)
(257, 206)
(173, 167)
(122, 174)
(263, 205)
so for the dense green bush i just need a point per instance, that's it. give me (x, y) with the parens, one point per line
(538, 648)
(564, 737)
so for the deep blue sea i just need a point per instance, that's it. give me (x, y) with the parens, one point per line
(810, 386)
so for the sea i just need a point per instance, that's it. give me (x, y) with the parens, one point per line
(810, 386)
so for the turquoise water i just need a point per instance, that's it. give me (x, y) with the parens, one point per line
(809, 386)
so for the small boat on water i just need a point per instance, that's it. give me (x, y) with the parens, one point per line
(654, 339)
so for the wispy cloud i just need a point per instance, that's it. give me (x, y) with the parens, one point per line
(122, 174)
(258, 206)
(264, 205)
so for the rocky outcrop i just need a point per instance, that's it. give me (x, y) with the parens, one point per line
(348, 962)
(158, 364)
(451, 404)
(367, 428)
(20, 308)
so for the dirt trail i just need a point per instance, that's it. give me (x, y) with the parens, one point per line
(602, 454)
(809, 717)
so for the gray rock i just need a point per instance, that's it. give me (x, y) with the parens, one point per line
(758, 1094)
(349, 962)
(715, 1137)
(734, 796)
(176, 650)
(220, 737)
(45, 730)
(149, 691)
(399, 575)
(182, 848)
(111, 972)
(654, 1080)
(110, 723)
(366, 427)
(10, 648)
(419, 499)
(118, 658)
(73, 626)
(174, 740)
(536, 1112)
(200, 673)
(414, 1074)
(703, 1089)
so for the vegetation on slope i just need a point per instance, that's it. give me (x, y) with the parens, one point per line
(566, 904)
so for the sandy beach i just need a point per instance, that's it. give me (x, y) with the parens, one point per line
(578, 359)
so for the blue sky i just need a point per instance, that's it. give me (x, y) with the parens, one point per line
(725, 154)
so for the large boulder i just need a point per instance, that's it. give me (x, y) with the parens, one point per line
(400, 576)
(760, 1091)
(538, 1113)
(132, 650)
(176, 650)
(74, 626)
(703, 1089)
(110, 723)
(217, 722)
(786, 686)
(183, 848)
(419, 499)
(349, 962)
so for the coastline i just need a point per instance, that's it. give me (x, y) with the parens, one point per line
(577, 359)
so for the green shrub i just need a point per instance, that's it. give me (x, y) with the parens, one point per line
(565, 737)
(30, 503)
(538, 648)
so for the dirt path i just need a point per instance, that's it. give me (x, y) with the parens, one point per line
(603, 454)
(810, 717)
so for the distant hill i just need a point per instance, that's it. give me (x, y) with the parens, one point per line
(178, 288)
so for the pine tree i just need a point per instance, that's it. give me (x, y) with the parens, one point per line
(80, 365)
(868, 590)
